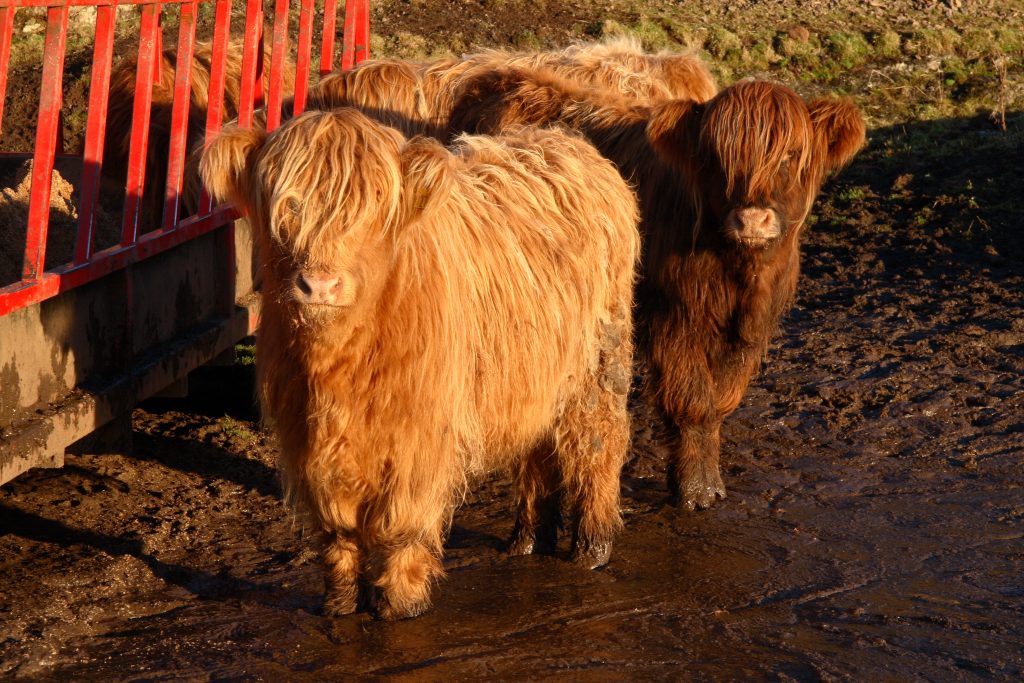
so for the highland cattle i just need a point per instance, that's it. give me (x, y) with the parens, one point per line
(724, 188)
(431, 314)
(417, 97)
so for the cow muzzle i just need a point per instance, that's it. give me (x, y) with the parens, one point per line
(752, 227)
(320, 289)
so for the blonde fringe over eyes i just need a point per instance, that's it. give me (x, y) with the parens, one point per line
(314, 198)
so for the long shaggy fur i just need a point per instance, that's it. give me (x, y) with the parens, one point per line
(120, 114)
(483, 321)
(710, 295)
(417, 98)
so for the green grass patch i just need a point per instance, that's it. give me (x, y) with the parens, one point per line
(527, 40)
(723, 44)
(236, 430)
(652, 35)
(245, 354)
(849, 50)
(926, 42)
(886, 44)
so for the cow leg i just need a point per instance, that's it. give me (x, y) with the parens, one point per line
(538, 505)
(694, 479)
(342, 563)
(408, 532)
(593, 438)
(410, 566)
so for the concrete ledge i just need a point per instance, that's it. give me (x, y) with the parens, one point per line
(40, 441)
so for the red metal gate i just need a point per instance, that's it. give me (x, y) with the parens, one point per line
(37, 284)
(81, 342)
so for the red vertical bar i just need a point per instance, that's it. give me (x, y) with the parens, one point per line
(50, 99)
(215, 100)
(6, 28)
(348, 42)
(362, 31)
(327, 40)
(356, 45)
(278, 54)
(158, 66)
(251, 51)
(150, 25)
(261, 75)
(179, 113)
(99, 90)
(303, 57)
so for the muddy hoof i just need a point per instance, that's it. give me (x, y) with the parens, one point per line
(520, 544)
(543, 541)
(700, 490)
(338, 605)
(592, 556)
(387, 612)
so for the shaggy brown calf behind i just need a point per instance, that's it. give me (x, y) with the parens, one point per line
(417, 98)
(429, 315)
(724, 190)
(121, 112)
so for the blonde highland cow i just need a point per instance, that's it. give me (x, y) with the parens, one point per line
(431, 314)
(417, 98)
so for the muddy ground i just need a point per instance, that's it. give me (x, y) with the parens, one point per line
(873, 529)
(873, 525)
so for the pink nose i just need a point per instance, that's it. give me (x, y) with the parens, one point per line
(317, 288)
(753, 224)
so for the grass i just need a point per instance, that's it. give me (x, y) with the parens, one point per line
(237, 430)
(245, 353)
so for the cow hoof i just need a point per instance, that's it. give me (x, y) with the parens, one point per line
(593, 556)
(387, 612)
(339, 605)
(520, 544)
(542, 541)
(700, 490)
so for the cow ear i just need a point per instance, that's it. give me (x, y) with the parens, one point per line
(226, 163)
(426, 177)
(673, 130)
(838, 130)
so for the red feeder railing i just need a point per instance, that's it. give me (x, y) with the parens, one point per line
(38, 284)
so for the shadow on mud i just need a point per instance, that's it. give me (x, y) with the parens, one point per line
(201, 584)
(187, 455)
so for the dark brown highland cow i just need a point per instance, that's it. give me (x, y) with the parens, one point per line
(430, 314)
(724, 190)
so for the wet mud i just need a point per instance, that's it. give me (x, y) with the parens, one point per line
(873, 525)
